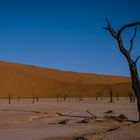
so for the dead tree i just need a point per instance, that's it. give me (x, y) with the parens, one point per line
(80, 98)
(9, 97)
(96, 96)
(109, 88)
(33, 99)
(127, 54)
(65, 97)
(18, 98)
(37, 98)
(131, 96)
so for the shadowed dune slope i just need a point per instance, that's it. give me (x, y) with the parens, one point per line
(25, 81)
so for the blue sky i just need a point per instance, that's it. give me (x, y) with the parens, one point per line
(67, 34)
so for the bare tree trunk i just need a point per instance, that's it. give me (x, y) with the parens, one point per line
(109, 87)
(127, 53)
(9, 99)
(97, 95)
(65, 97)
(33, 101)
(130, 97)
(135, 83)
(111, 99)
(37, 98)
(18, 99)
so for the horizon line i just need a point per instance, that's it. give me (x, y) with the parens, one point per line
(57, 69)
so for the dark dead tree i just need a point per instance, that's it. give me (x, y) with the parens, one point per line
(57, 97)
(37, 98)
(33, 99)
(81, 98)
(18, 98)
(127, 54)
(96, 96)
(9, 97)
(110, 91)
(65, 97)
(134, 98)
(131, 96)
(64, 92)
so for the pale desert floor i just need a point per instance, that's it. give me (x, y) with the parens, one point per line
(26, 121)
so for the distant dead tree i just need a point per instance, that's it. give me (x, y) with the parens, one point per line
(97, 95)
(37, 98)
(18, 98)
(132, 63)
(81, 98)
(64, 91)
(33, 99)
(65, 96)
(131, 96)
(9, 97)
(57, 97)
(110, 91)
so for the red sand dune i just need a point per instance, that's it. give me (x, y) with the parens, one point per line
(25, 81)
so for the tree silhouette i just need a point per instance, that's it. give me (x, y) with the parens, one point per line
(110, 90)
(127, 54)
(9, 97)
(33, 99)
(131, 96)
(37, 98)
(65, 96)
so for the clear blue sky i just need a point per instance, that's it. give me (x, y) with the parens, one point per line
(67, 34)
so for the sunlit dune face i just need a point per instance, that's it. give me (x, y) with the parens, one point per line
(26, 81)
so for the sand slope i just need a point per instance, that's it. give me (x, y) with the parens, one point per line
(25, 81)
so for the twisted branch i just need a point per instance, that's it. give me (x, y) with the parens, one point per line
(132, 40)
(127, 26)
(110, 29)
(137, 59)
